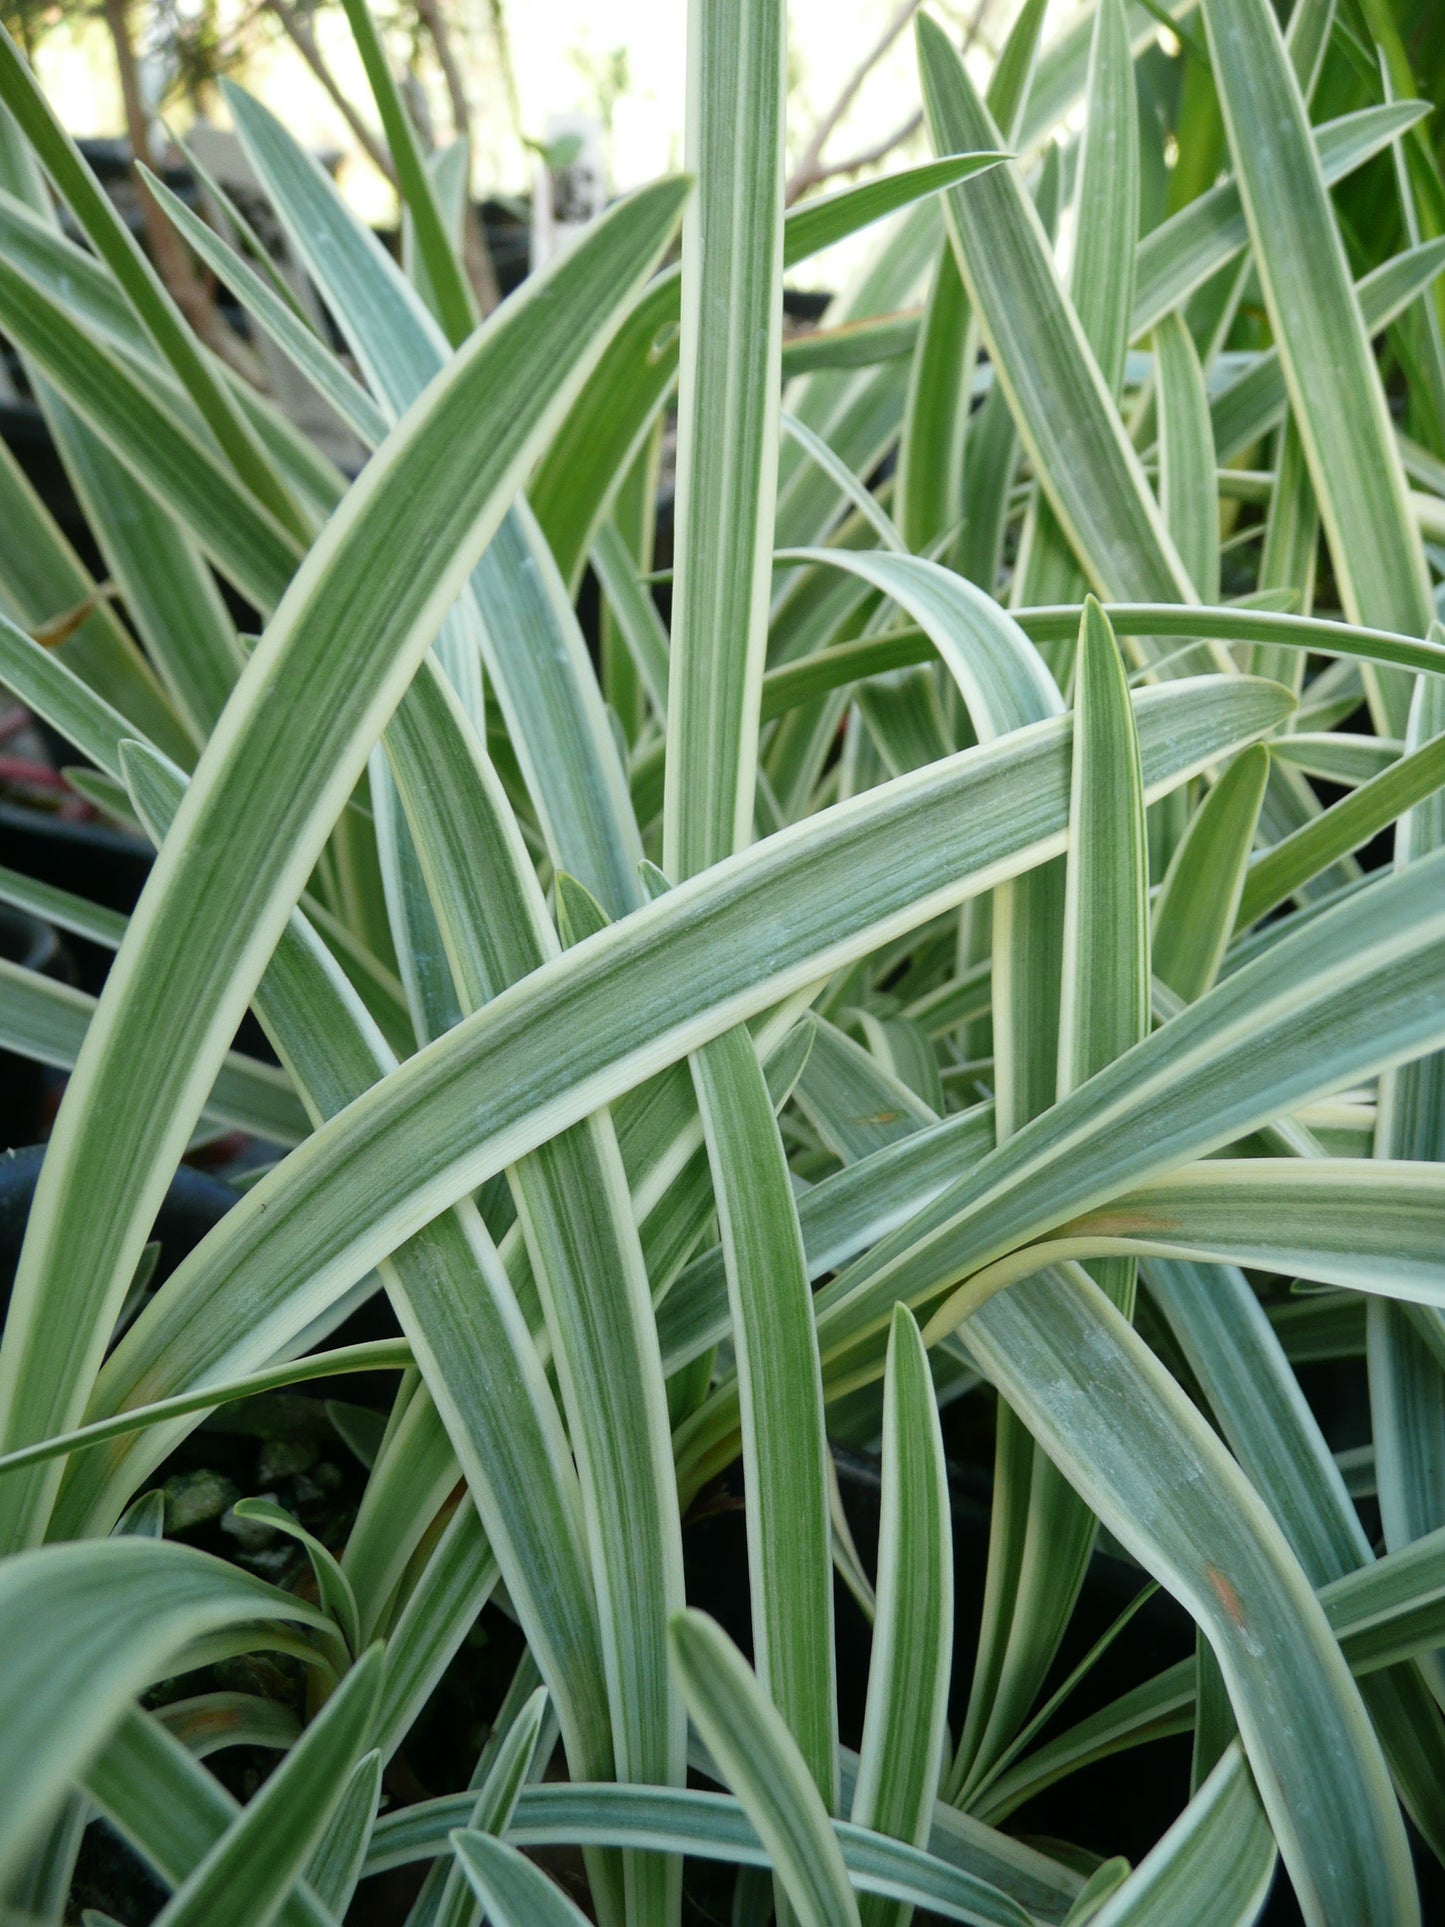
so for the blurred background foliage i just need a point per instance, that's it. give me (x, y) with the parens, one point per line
(514, 80)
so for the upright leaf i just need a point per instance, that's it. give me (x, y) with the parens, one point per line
(761, 1762)
(309, 704)
(1334, 387)
(1198, 902)
(1056, 393)
(727, 478)
(1187, 489)
(903, 1726)
(1106, 919)
(1104, 1011)
(1407, 1381)
(243, 1879)
(576, 1212)
(727, 426)
(1101, 269)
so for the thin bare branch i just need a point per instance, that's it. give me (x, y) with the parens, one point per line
(808, 169)
(476, 255)
(297, 29)
(173, 263)
(430, 14)
(812, 169)
(855, 163)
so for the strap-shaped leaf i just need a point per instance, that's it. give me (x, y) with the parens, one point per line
(140, 282)
(904, 1723)
(383, 1355)
(1407, 1394)
(1213, 1868)
(1370, 1224)
(715, 1826)
(446, 282)
(1125, 1434)
(242, 1879)
(1290, 555)
(85, 1628)
(726, 490)
(781, 1391)
(727, 427)
(1101, 279)
(1335, 389)
(604, 1015)
(1106, 919)
(1238, 624)
(1339, 756)
(1198, 902)
(1348, 824)
(631, 603)
(310, 703)
(1095, 484)
(573, 1202)
(969, 1872)
(169, 592)
(1104, 997)
(446, 1900)
(817, 224)
(928, 486)
(999, 674)
(335, 1866)
(1101, 270)
(791, 684)
(760, 1759)
(1187, 492)
(928, 491)
(481, 1366)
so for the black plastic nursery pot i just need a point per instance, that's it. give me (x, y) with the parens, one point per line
(90, 859)
(193, 1204)
(24, 1083)
(105, 866)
